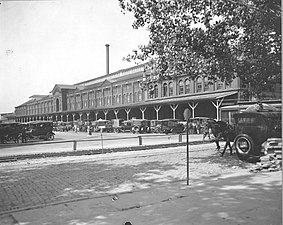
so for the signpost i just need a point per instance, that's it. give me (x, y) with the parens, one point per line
(187, 115)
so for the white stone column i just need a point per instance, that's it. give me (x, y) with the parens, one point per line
(174, 107)
(105, 111)
(128, 110)
(217, 106)
(116, 111)
(193, 105)
(142, 109)
(157, 108)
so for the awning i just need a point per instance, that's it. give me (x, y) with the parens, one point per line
(189, 98)
(239, 107)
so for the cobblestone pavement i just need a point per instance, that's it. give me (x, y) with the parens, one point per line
(35, 183)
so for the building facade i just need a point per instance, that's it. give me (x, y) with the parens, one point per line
(125, 94)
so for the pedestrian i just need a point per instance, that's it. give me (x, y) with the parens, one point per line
(198, 127)
(206, 131)
(24, 135)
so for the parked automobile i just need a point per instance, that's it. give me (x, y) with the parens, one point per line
(102, 125)
(39, 130)
(155, 126)
(126, 126)
(10, 132)
(171, 126)
(140, 126)
(253, 128)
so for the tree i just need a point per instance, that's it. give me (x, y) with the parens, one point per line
(219, 39)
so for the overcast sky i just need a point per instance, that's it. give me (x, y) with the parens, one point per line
(43, 43)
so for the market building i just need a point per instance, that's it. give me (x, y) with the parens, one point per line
(136, 93)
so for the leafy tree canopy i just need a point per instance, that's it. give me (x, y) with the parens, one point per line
(220, 39)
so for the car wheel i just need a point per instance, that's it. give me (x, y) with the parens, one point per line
(50, 137)
(136, 130)
(244, 145)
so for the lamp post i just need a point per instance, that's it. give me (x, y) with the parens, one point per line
(187, 115)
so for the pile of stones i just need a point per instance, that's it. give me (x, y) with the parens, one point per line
(272, 159)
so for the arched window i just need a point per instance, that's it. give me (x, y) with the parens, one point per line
(171, 89)
(181, 87)
(165, 89)
(156, 91)
(187, 86)
(199, 84)
(57, 105)
(206, 84)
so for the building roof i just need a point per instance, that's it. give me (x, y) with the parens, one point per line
(65, 86)
(195, 97)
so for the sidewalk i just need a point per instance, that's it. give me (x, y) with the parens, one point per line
(244, 198)
(19, 151)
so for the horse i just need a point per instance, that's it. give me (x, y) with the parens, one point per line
(222, 130)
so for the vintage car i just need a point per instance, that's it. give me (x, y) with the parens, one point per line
(140, 126)
(10, 132)
(39, 130)
(155, 126)
(101, 125)
(252, 128)
(173, 126)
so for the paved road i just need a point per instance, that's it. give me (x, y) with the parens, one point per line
(33, 183)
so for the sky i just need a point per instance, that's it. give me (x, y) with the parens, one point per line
(48, 42)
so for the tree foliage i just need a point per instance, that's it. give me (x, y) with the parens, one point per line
(220, 39)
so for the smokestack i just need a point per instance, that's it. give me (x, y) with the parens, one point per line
(107, 59)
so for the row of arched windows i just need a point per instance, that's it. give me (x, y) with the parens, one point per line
(184, 86)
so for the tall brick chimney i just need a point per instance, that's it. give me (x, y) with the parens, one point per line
(107, 59)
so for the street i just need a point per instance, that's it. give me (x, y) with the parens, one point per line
(31, 189)
(36, 182)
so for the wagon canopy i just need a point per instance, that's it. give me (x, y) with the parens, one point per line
(261, 107)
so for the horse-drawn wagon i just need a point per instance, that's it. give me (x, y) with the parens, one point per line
(253, 128)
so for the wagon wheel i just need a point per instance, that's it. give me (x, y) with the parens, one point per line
(245, 146)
